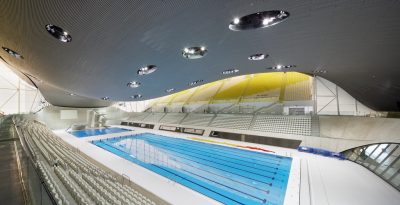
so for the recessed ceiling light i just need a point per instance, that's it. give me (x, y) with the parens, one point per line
(13, 53)
(257, 57)
(136, 96)
(133, 84)
(230, 71)
(236, 21)
(105, 98)
(258, 20)
(58, 33)
(71, 94)
(169, 90)
(280, 67)
(319, 71)
(195, 82)
(147, 70)
(194, 52)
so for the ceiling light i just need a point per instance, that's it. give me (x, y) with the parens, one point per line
(133, 84)
(230, 71)
(194, 52)
(71, 94)
(257, 57)
(169, 90)
(105, 98)
(195, 82)
(258, 20)
(319, 71)
(147, 70)
(13, 53)
(280, 67)
(58, 33)
(136, 96)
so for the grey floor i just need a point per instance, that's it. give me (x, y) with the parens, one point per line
(10, 185)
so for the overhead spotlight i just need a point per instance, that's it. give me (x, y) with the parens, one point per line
(13, 53)
(194, 52)
(169, 90)
(147, 70)
(267, 21)
(258, 20)
(71, 94)
(195, 82)
(280, 67)
(105, 98)
(58, 33)
(257, 57)
(230, 71)
(133, 84)
(136, 96)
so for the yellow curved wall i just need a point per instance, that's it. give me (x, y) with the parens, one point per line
(277, 86)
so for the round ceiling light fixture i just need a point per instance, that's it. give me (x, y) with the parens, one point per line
(133, 84)
(280, 67)
(136, 96)
(147, 70)
(169, 90)
(58, 33)
(194, 52)
(230, 71)
(13, 53)
(105, 98)
(258, 57)
(258, 20)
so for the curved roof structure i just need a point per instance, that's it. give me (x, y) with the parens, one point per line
(355, 44)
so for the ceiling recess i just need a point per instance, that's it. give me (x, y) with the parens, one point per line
(194, 52)
(58, 33)
(257, 57)
(280, 67)
(13, 53)
(133, 84)
(136, 96)
(195, 82)
(258, 20)
(147, 70)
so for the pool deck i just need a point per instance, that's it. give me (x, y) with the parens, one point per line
(323, 181)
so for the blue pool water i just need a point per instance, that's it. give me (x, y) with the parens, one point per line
(229, 175)
(100, 131)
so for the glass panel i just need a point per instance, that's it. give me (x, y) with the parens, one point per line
(383, 159)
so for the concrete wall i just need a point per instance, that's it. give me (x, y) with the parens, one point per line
(52, 118)
(338, 133)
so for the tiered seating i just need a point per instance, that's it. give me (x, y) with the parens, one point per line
(84, 181)
(240, 122)
(172, 118)
(298, 125)
(138, 116)
(197, 119)
(153, 117)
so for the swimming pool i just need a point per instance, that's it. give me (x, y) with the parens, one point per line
(99, 131)
(229, 175)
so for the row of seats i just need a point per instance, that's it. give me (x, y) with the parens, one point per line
(297, 125)
(86, 183)
(197, 119)
(240, 122)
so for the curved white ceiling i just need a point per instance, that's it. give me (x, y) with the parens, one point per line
(356, 42)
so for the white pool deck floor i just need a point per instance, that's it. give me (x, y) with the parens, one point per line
(313, 180)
